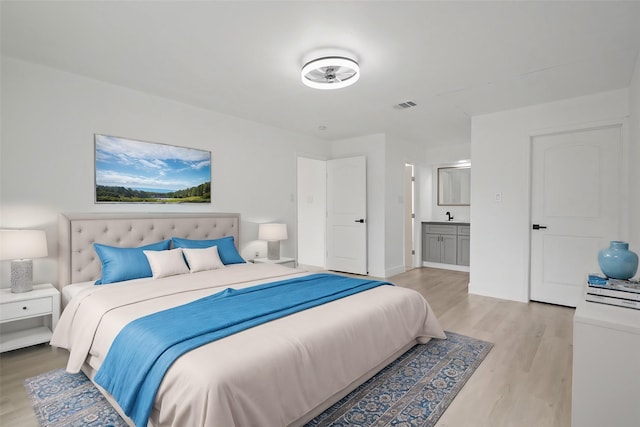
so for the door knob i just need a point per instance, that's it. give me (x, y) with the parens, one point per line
(538, 226)
(361, 221)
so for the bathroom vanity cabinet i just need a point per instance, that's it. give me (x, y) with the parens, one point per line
(446, 242)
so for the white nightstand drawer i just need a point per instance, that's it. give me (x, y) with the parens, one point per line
(287, 262)
(27, 308)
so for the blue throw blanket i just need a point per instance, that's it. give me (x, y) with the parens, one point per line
(145, 348)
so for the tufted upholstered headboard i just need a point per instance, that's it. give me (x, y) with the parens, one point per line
(78, 261)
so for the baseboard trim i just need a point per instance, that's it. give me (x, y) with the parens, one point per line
(446, 266)
(395, 271)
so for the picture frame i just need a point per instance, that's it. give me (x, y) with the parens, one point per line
(133, 171)
(454, 186)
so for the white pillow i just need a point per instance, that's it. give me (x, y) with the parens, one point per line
(166, 263)
(203, 259)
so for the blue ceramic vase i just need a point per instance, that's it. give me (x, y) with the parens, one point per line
(617, 261)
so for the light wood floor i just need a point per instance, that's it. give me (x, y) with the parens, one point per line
(525, 381)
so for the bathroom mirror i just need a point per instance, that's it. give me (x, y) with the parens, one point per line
(454, 186)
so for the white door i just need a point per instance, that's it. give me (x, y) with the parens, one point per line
(575, 209)
(347, 215)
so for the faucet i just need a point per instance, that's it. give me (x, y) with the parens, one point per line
(449, 216)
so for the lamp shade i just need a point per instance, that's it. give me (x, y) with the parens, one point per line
(272, 232)
(22, 244)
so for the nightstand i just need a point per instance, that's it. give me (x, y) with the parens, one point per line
(28, 318)
(287, 262)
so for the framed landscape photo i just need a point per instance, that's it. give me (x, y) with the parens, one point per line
(130, 171)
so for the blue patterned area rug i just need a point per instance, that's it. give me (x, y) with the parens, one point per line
(63, 399)
(413, 391)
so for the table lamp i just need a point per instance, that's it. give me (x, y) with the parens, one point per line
(20, 247)
(272, 233)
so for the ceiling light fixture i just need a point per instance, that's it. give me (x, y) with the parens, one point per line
(330, 72)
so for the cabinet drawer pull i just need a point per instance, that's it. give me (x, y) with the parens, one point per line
(24, 308)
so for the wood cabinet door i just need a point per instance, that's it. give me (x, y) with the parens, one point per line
(431, 250)
(449, 252)
(463, 250)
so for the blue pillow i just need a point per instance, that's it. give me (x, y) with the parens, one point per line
(120, 264)
(226, 248)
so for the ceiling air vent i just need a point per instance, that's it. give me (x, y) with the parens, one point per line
(405, 105)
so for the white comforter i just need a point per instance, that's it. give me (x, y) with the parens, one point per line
(272, 375)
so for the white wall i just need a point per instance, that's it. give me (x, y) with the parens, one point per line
(634, 160)
(312, 212)
(500, 153)
(399, 152)
(386, 158)
(437, 157)
(47, 165)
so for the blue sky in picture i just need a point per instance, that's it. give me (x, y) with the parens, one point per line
(149, 166)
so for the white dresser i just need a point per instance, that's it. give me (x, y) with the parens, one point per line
(606, 366)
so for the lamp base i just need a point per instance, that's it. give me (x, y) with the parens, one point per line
(273, 250)
(21, 276)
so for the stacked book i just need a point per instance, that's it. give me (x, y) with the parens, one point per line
(623, 293)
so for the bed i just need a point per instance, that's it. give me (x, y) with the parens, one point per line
(283, 372)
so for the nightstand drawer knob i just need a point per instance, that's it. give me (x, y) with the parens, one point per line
(24, 308)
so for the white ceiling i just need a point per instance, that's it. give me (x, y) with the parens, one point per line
(454, 59)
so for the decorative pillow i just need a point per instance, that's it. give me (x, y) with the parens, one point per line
(226, 248)
(166, 263)
(120, 264)
(203, 259)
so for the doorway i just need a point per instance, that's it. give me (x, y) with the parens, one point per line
(409, 216)
(576, 205)
(332, 214)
